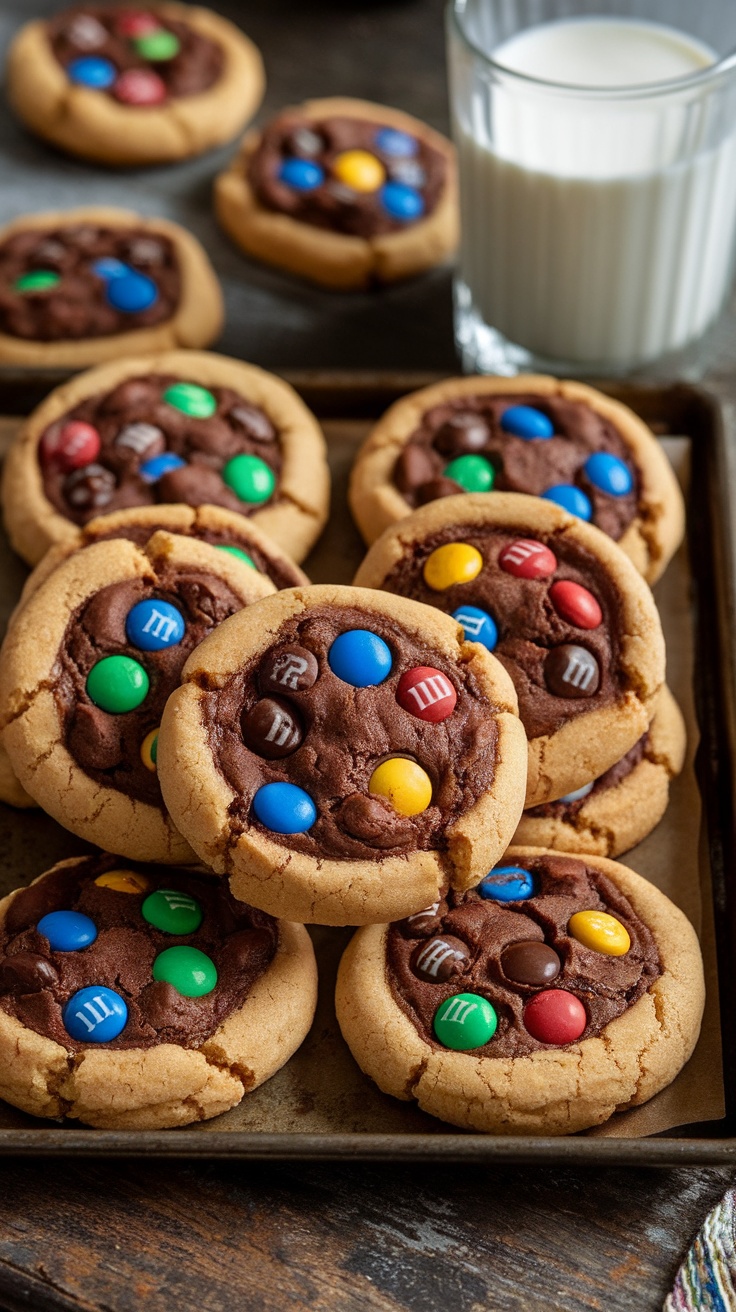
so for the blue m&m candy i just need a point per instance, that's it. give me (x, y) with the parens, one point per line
(360, 658)
(527, 422)
(402, 202)
(571, 499)
(153, 470)
(609, 474)
(285, 808)
(95, 1015)
(479, 626)
(92, 71)
(108, 267)
(506, 884)
(67, 931)
(577, 795)
(301, 174)
(399, 145)
(131, 292)
(153, 625)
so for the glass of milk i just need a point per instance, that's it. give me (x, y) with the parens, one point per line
(597, 154)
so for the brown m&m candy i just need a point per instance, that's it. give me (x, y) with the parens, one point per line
(439, 959)
(530, 962)
(571, 671)
(288, 668)
(89, 488)
(413, 468)
(272, 728)
(461, 435)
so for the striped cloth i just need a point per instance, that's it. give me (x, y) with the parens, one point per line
(706, 1281)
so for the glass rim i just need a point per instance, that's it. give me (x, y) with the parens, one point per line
(642, 91)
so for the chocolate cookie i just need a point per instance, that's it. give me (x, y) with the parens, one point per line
(617, 810)
(81, 286)
(561, 607)
(125, 86)
(144, 997)
(560, 440)
(350, 755)
(343, 192)
(184, 426)
(86, 669)
(558, 992)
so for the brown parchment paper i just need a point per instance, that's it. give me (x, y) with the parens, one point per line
(321, 1090)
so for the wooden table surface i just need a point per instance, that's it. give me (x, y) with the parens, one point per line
(127, 1235)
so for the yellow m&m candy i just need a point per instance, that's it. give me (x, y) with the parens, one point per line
(123, 881)
(404, 784)
(359, 170)
(148, 750)
(457, 562)
(600, 932)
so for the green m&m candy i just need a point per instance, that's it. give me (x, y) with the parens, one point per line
(157, 46)
(465, 1021)
(172, 911)
(191, 399)
(188, 970)
(117, 684)
(40, 280)
(238, 554)
(250, 478)
(474, 473)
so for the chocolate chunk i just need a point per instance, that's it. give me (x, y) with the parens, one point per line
(463, 433)
(26, 972)
(95, 739)
(272, 728)
(440, 959)
(288, 668)
(89, 488)
(571, 671)
(436, 488)
(163, 1007)
(374, 822)
(247, 948)
(195, 484)
(414, 466)
(256, 424)
(530, 963)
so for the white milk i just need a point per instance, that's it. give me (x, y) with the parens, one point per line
(586, 238)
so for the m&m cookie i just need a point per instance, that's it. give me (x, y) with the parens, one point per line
(140, 997)
(343, 192)
(561, 607)
(86, 285)
(85, 671)
(611, 814)
(181, 427)
(558, 991)
(563, 441)
(350, 752)
(124, 86)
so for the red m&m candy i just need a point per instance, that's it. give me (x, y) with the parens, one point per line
(426, 693)
(139, 86)
(72, 446)
(528, 559)
(136, 23)
(575, 604)
(555, 1016)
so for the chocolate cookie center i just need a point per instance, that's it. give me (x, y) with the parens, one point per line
(553, 946)
(346, 174)
(351, 738)
(85, 280)
(87, 950)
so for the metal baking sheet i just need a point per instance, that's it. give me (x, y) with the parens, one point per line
(320, 1105)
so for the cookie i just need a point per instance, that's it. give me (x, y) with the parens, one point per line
(135, 998)
(616, 811)
(560, 440)
(224, 529)
(558, 992)
(12, 793)
(343, 754)
(125, 86)
(343, 192)
(561, 607)
(184, 426)
(85, 671)
(86, 285)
